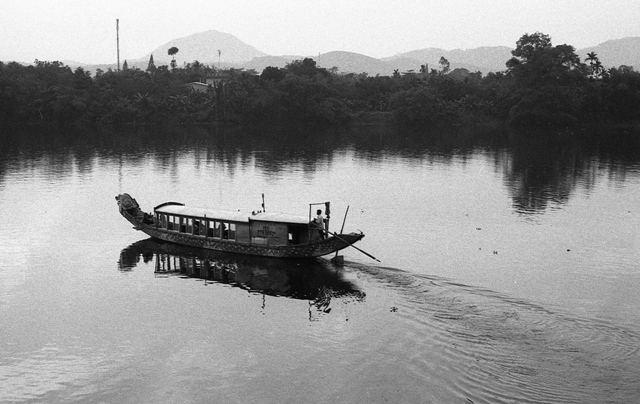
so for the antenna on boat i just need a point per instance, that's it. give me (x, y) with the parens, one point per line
(263, 209)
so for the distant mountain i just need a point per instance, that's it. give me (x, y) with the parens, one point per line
(260, 63)
(204, 47)
(349, 62)
(484, 59)
(487, 58)
(346, 62)
(625, 51)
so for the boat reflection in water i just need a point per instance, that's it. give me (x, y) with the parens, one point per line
(314, 279)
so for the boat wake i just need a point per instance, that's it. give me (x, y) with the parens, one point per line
(489, 347)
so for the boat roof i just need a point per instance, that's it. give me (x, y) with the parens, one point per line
(279, 217)
(231, 216)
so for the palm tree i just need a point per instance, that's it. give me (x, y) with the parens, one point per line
(598, 68)
(594, 64)
(172, 52)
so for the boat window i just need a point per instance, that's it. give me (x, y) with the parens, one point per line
(294, 237)
(229, 231)
(210, 228)
(175, 223)
(183, 225)
(196, 227)
(216, 230)
(189, 225)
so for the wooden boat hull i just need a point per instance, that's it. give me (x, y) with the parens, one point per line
(316, 248)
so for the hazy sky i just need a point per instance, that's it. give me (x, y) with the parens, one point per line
(85, 30)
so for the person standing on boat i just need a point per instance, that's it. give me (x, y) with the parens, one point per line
(320, 220)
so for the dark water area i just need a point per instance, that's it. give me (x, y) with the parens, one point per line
(509, 268)
(316, 281)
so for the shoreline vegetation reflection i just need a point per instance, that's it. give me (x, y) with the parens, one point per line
(540, 167)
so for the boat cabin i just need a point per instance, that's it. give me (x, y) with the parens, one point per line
(254, 228)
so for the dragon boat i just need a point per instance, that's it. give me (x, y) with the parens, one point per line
(257, 233)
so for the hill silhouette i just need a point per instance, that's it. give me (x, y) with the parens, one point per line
(625, 51)
(204, 47)
(484, 59)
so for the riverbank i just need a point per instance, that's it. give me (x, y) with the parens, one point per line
(302, 93)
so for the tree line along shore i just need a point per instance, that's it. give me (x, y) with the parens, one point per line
(542, 86)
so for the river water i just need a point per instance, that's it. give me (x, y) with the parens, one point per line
(508, 269)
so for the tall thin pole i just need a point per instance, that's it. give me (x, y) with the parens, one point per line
(118, 40)
(344, 220)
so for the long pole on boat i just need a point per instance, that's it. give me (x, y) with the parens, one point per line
(342, 228)
(263, 209)
(344, 220)
(347, 243)
(351, 245)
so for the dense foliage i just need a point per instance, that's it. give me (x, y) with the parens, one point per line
(543, 85)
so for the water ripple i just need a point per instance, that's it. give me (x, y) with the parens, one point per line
(491, 348)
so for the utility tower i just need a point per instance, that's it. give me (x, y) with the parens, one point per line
(118, 40)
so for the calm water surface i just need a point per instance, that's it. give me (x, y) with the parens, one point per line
(509, 270)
